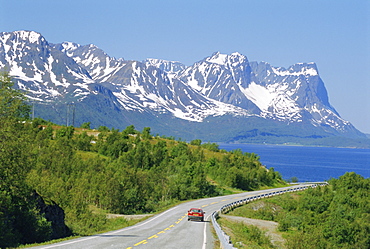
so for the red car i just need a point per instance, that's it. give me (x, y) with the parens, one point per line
(196, 214)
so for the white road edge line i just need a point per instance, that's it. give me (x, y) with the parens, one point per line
(205, 233)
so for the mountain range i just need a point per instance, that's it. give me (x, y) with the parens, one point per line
(223, 97)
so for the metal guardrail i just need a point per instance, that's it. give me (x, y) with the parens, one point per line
(225, 240)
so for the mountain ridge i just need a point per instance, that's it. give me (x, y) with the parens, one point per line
(162, 91)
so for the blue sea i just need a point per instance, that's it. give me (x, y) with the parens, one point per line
(309, 163)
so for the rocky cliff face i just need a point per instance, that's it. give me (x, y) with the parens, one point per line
(54, 214)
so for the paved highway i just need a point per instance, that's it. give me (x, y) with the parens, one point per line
(167, 230)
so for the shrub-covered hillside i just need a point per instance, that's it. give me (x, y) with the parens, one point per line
(334, 216)
(81, 171)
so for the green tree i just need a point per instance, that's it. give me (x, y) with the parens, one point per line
(83, 141)
(197, 142)
(19, 220)
(103, 129)
(65, 132)
(211, 146)
(12, 102)
(146, 133)
(86, 125)
(130, 130)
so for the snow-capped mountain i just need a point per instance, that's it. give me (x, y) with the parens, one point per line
(219, 90)
(223, 78)
(143, 86)
(290, 95)
(296, 93)
(38, 68)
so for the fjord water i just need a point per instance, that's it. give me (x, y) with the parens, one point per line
(309, 163)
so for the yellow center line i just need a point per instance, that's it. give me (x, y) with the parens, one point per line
(204, 205)
(224, 200)
(155, 235)
(214, 202)
(141, 242)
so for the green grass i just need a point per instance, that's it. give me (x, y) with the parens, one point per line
(245, 236)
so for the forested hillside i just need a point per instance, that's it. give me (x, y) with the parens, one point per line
(81, 171)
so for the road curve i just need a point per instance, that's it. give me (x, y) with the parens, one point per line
(167, 230)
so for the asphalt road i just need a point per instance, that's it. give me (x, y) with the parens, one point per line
(167, 230)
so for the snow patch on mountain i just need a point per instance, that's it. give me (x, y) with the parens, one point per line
(259, 95)
(170, 67)
(69, 47)
(309, 71)
(31, 36)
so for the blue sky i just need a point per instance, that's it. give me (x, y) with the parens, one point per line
(335, 34)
